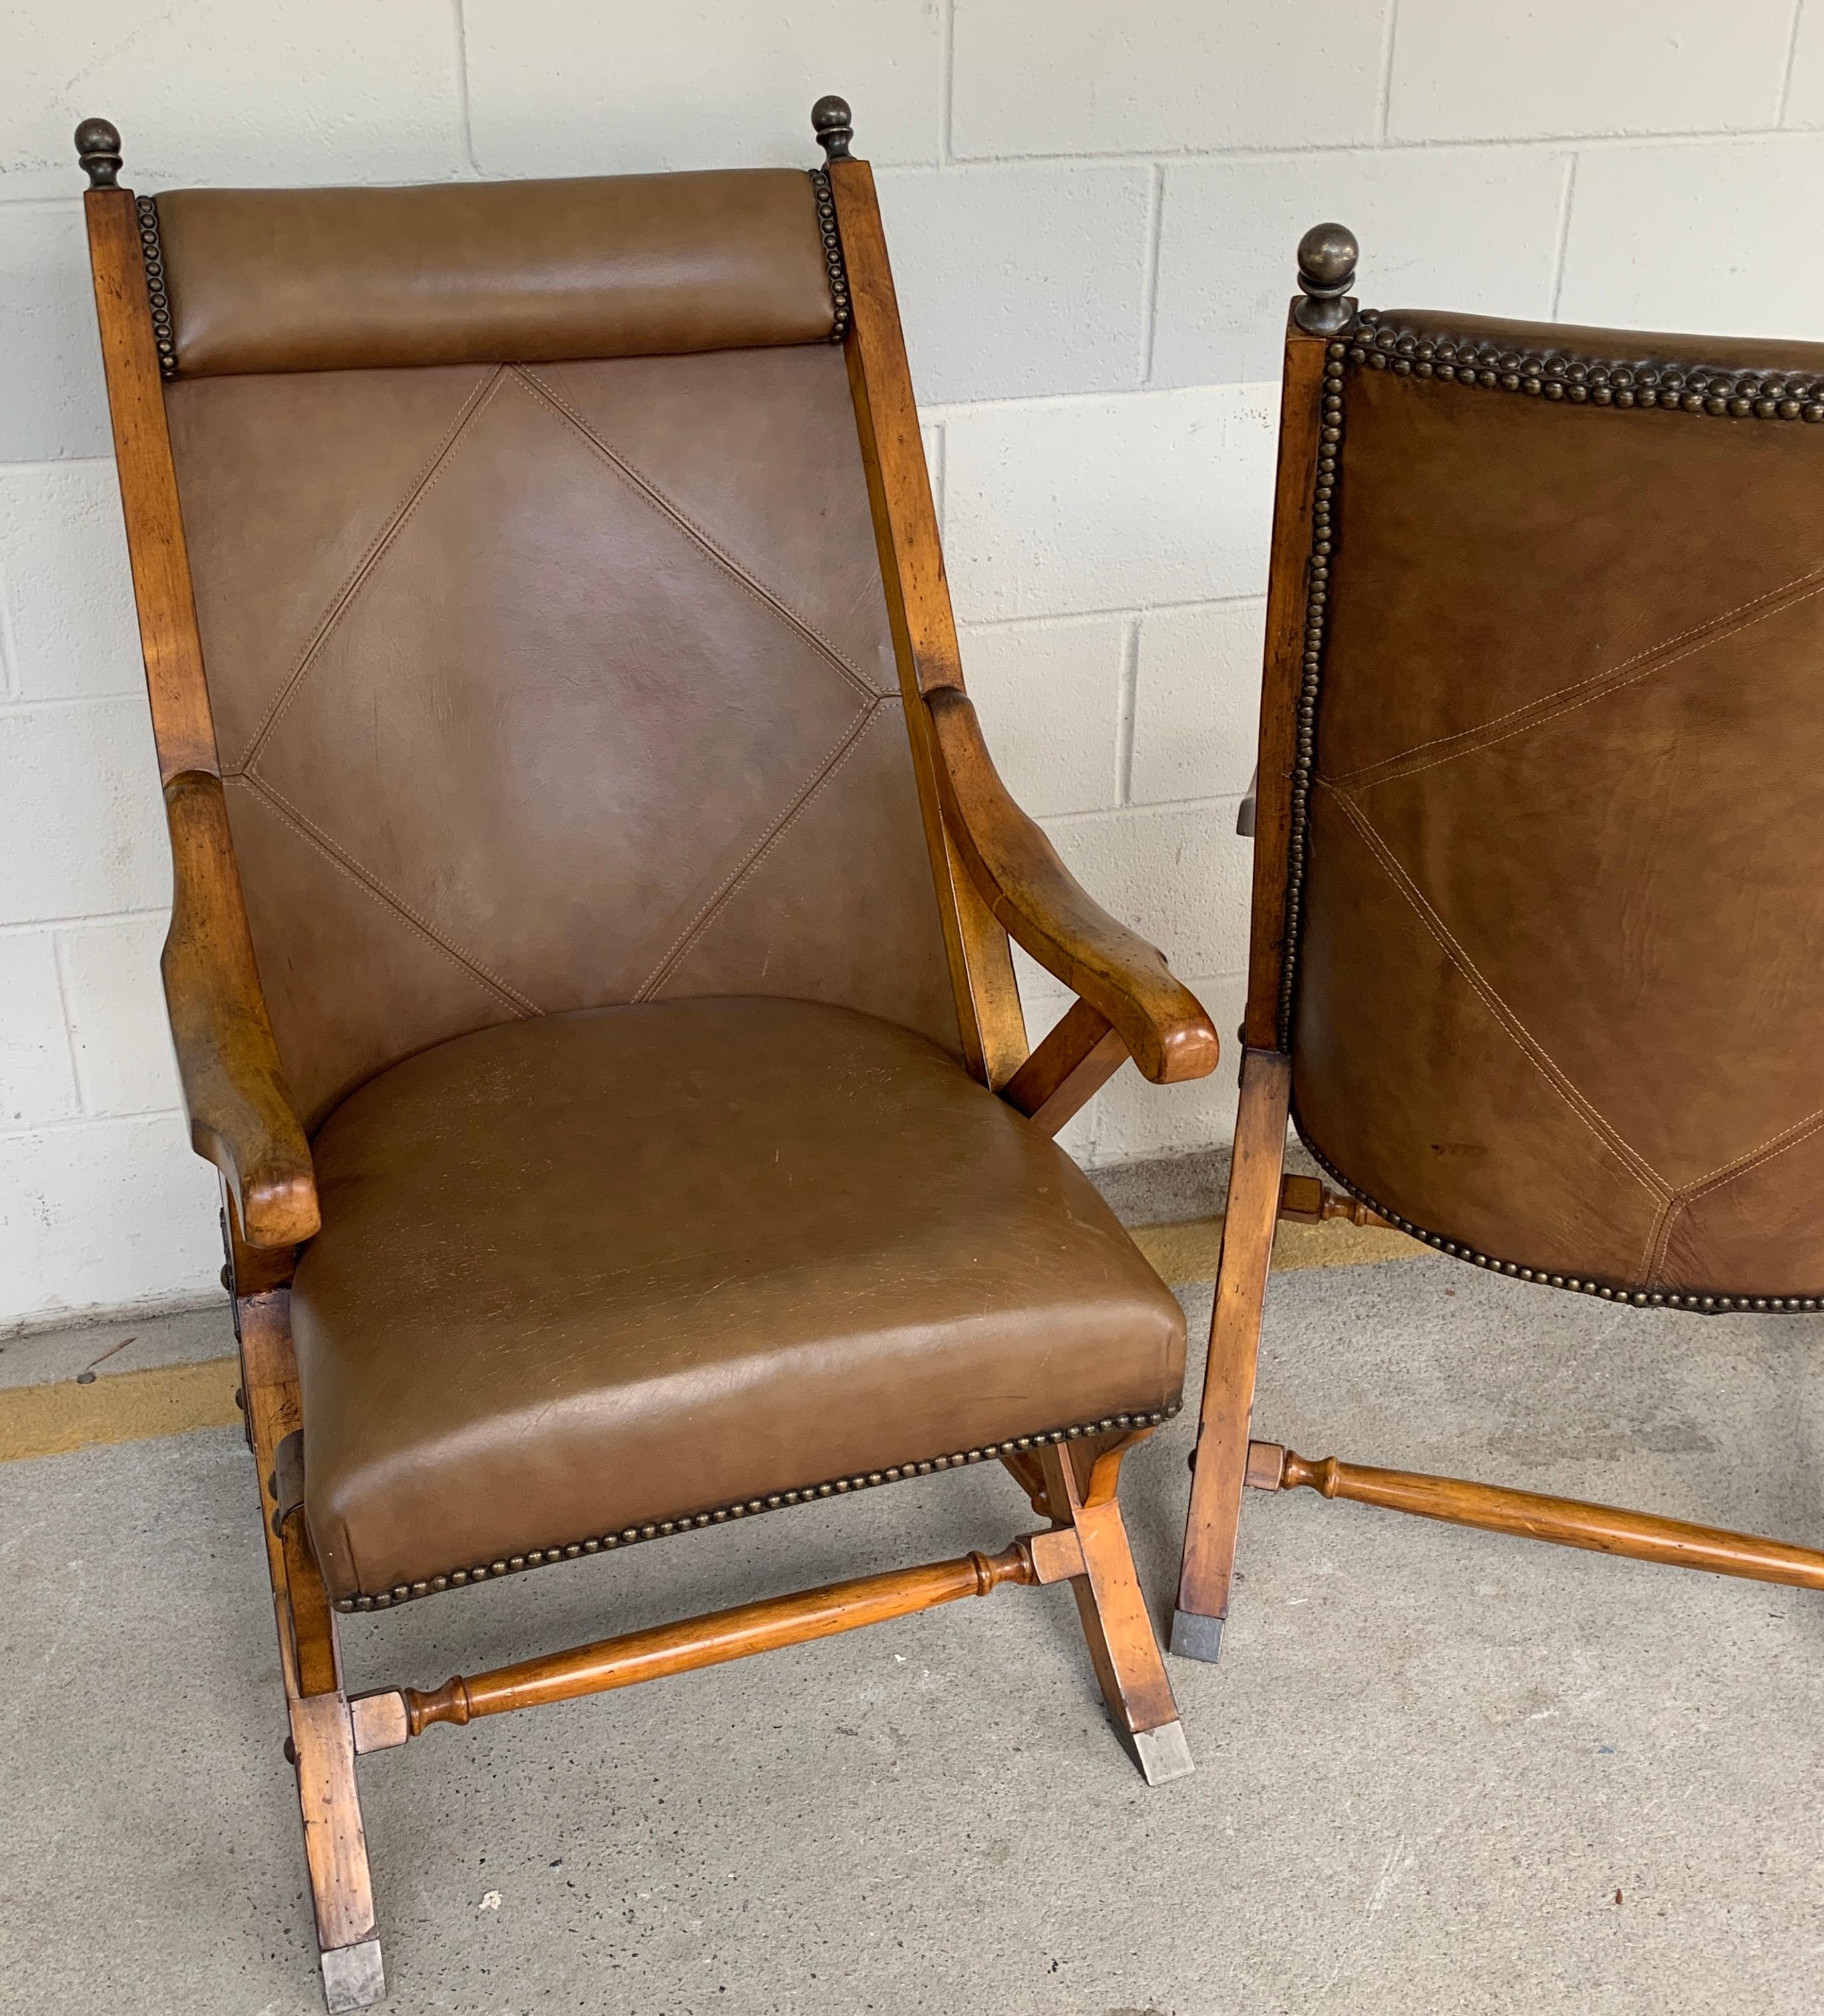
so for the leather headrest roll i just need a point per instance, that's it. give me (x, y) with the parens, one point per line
(479, 272)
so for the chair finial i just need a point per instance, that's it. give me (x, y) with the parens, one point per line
(97, 148)
(1326, 272)
(830, 121)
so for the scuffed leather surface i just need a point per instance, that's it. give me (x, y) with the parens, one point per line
(332, 279)
(611, 1268)
(546, 688)
(1559, 996)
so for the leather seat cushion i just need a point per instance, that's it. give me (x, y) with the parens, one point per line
(584, 1274)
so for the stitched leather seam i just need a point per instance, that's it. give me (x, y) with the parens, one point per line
(707, 916)
(1577, 686)
(1788, 1137)
(653, 495)
(1720, 1178)
(339, 602)
(1643, 1173)
(1539, 711)
(507, 994)
(1659, 1238)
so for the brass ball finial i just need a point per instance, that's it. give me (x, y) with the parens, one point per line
(97, 148)
(830, 121)
(1327, 253)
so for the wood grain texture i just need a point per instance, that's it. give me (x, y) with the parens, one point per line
(1042, 905)
(322, 1735)
(241, 1117)
(1569, 1522)
(1306, 1200)
(1110, 1602)
(1214, 1513)
(1067, 1070)
(335, 1841)
(714, 1639)
(268, 1369)
(918, 612)
(1282, 674)
(181, 719)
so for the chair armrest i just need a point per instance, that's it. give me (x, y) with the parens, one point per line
(242, 1117)
(1048, 913)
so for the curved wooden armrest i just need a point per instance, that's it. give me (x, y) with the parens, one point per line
(242, 1118)
(1045, 909)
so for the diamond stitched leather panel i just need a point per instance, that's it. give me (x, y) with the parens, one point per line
(553, 688)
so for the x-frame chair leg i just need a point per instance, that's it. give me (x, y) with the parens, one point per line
(1221, 1460)
(1074, 1484)
(321, 1747)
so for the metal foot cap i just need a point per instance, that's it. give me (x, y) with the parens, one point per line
(1196, 1637)
(353, 1977)
(1162, 1754)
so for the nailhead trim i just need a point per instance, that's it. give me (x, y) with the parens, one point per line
(1639, 1298)
(1316, 600)
(153, 252)
(743, 1509)
(839, 278)
(1717, 391)
(1721, 391)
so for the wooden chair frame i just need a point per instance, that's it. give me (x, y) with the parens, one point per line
(997, 876)
(1226, 1461)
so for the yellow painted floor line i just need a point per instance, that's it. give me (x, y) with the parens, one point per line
(173, 1399)
(117, 1407)
(1188, 1251)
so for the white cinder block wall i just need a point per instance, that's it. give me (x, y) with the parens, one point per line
(1092, 206)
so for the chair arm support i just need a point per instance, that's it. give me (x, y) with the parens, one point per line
(1047, 912)
(242, 1117)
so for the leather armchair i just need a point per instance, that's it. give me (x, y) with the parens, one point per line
(590, 966)
(1535, 855)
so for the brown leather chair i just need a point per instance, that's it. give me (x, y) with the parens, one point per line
(590, 964)
(1536, 855)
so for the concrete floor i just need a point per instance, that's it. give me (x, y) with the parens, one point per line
(1437, 1771)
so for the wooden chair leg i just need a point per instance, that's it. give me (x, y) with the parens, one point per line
(1028, 1473)
(322, 1748)
(1234, 1334)
(1080, 1483)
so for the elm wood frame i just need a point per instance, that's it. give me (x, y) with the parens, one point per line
(1226, 1460)
(995, 874)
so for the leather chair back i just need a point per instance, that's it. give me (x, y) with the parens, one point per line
(1557, 998)
(539, 597)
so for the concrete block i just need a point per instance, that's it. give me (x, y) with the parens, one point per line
(1694, 237)
(1181, 878)
(1133, 1118)
(64, 585)
(118, 1028)
(559, 89)
(223, 91)
(1049, 696)
(1475, 229)
(37, 1083)
(1559, 67)
(1804, 90)
(82, 821)
(54, 405)
(1014, 281)
(1059, 509)
(1197, 700)
(104, 1215)
(1083, 77)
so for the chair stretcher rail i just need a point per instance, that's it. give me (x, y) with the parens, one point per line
(385, 1719)
(1568, 1522)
